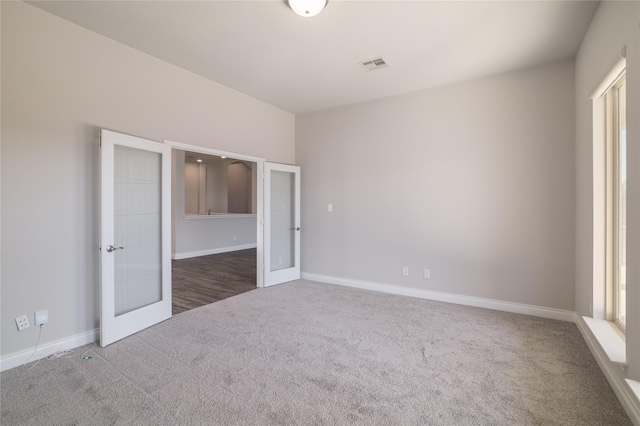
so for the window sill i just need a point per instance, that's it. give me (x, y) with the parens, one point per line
(610, 340)
(635, 387)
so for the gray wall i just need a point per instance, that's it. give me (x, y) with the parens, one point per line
(614, 25)
(474, 181)
(480, 182)
(60, 85)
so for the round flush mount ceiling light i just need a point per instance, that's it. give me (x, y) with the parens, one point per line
(307, 8)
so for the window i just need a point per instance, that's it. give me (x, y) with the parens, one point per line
(616, 210)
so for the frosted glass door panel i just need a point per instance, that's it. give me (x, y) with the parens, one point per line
(282, 220)
(137, 228)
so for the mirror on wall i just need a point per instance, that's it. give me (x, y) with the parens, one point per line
(218, 185)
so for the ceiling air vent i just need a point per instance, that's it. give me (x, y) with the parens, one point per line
(374, 64)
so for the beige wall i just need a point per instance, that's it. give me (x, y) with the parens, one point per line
(60, 85)
(191, 183)
(614, 26)
(473, 181)
(239, 188)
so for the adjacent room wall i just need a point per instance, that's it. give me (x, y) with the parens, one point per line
(474, 181)
(60, 84)
(614, 26)
(191, 184)
(239, 187)
(203, 235)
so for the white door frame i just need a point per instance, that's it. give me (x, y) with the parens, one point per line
(259, 195)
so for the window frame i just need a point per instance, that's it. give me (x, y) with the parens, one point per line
(615, 242)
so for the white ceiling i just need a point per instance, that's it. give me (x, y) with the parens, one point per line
(261, 48)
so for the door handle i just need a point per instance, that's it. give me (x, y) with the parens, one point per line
(111, 248)
(296, 228)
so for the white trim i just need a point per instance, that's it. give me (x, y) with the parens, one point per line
(609, 339)
(498, 305)
(16, 359)
(259, 198)
(218, 216)
(189, 254)
(211, 151)
(635, 389)
(260, 225)
(621, 387)
(612, 76)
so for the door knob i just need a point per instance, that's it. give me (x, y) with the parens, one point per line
(111, 248)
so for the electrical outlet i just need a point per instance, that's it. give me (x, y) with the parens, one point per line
(427, 273)
(405, 270)
(42, 317)
(23, 322)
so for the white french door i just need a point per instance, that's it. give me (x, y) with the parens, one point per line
(281, 223)
(135, 240)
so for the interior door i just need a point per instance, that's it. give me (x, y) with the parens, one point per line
(135, 242)
(281, 223)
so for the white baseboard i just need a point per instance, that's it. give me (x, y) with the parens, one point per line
(18, 358)
(498, 305)
(620, 386)
(188, 254)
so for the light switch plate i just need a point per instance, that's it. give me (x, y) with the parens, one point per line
(42, 317)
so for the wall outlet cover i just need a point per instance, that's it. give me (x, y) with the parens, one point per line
(22, 322)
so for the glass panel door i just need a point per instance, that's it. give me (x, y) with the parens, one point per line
(282, 223)
(135, 222)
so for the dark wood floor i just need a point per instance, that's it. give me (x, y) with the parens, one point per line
(202, 280)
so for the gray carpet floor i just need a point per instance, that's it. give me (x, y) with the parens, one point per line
(309, 353)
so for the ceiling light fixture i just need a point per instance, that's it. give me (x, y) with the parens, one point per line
(199, 160)
(307, 8)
